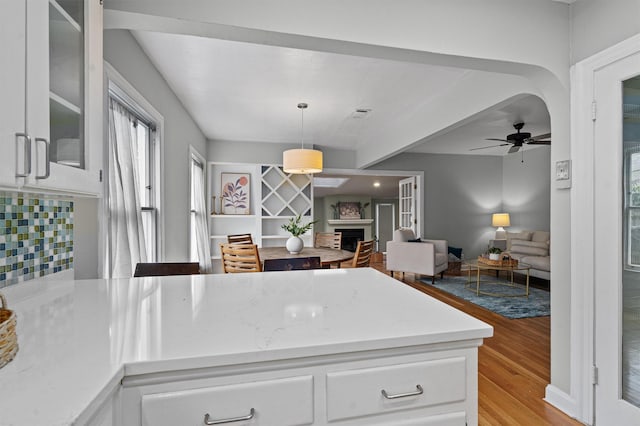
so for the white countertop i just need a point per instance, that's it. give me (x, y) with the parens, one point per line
(77, 337)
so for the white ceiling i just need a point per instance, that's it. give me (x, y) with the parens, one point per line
(249, 92)
(361, 184)
(494, 123)
(238, 91)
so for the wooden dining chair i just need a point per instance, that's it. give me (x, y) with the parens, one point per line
(240, 258)
(292, 264)
(328, 239)
(240, 239)
(166, 268)
(362, 258)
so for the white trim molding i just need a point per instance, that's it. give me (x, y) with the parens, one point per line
(561, 400)
(583, 225)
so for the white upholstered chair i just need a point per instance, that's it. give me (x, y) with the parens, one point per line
(427, 257)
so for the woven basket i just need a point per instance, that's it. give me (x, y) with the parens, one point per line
(8, 338)
(506, 260)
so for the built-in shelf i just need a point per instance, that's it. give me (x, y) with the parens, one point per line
(350, 221)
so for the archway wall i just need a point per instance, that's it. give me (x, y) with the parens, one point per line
(498, 40)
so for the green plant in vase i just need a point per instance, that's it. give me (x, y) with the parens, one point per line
(494, 253)
(296, 228)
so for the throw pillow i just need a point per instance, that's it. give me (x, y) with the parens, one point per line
(532, 251)
(403, 234)
(457, 252)
(537, 244)
(542, 236)
(522, 235)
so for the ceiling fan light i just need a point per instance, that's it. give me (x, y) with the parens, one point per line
(302, 161)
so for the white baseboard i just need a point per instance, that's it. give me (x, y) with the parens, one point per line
(561, 400)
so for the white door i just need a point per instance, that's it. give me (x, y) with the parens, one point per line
(617, 242)
(408, 204)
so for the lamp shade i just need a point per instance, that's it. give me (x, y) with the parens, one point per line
(302, 161)
(500, 219)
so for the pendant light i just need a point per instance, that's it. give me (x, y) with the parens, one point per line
(302, 161)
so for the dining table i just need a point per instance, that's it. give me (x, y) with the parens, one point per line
(328, 256)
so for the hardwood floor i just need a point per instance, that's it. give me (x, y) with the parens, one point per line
(514, 364)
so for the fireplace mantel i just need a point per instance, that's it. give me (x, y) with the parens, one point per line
(350, 221)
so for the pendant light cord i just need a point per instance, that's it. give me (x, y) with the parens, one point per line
(302, 127)
(302, 107)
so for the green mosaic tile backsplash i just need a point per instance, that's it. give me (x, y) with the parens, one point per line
(36, 237)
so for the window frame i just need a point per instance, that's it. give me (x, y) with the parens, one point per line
(629, 150)
(195, 157)
(116, 84)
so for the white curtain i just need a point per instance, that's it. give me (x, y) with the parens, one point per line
(200, 219)
(126, 234)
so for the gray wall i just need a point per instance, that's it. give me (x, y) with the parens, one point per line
(461, 192)
(598, 24)
(526, 184)
(247, 152)
(123, 52)
(86, 255)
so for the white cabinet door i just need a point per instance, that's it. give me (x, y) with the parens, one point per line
(12, 91)
(64, 95)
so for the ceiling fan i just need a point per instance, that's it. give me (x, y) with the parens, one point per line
(518, 139)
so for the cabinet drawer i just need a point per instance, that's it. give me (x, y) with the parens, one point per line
(359, 392)
(282, 402)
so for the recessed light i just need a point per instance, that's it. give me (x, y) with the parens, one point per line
(376, 184)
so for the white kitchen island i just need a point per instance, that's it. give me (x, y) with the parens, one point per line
(332, 346)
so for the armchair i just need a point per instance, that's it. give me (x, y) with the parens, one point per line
(424, 257)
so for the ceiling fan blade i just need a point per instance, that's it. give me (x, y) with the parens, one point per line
(539, 137)
(539, 143)
(513, 149)
(494, 139)
(486, 147)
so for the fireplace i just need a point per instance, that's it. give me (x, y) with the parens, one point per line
(350, 238)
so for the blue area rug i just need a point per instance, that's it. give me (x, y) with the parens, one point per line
(536, 305)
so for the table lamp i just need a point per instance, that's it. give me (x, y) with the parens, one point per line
(499, 220)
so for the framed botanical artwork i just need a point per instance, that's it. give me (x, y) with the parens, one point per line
(235, 193)
(349, 210)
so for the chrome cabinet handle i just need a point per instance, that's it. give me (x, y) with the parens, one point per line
(249, 416)
(46, 157)
(26, 166)
(419, 391)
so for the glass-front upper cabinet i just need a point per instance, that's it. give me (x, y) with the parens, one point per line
(64, 93)
(66, 82)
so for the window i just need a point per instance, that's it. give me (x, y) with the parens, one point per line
(631, 173)
(196, 177)
(632, 204)
(199, 234)
(133, 185)
(144, 166)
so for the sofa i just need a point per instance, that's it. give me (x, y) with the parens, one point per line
(532, 248)
(406, 253)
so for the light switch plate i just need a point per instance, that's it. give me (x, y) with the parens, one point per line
(563, 174)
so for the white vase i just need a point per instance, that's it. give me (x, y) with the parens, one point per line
(294, 245)
(494, 256)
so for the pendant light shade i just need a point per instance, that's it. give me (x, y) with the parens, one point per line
(302, 161)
